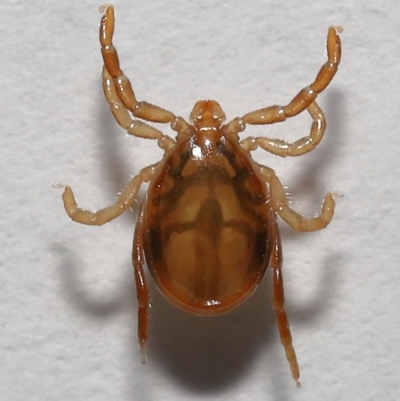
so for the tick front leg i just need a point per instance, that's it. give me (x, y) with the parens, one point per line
(305, 99)
(123, 86)
(306, 96)
(133, 127)
(124, 202)
(294, 219)
(142, 291)
(279, 306)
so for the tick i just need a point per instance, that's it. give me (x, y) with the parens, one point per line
(207, 228)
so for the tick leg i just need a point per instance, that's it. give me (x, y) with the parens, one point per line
(300, 147)
(279, 306)
(142, 291)
(306, 96)
(122, 84)
(305, 99)
(294, 219)
(124, 201)
(124, 119)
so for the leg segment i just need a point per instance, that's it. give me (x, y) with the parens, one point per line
(294, 219)
(305, 99)
(300, 147)
(142, 291)
(124, 202)
(306, 96)
(279, 306)
(124, 119)
(122, 84)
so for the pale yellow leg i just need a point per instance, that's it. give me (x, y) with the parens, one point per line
(300, 147)
(305, 99)
(124, 119)
(306, 96)
(122, 84)
(124, 201)
(294, 219)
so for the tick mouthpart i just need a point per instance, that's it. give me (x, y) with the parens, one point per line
(207, 115)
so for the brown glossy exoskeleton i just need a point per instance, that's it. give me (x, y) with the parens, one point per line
(207, 228)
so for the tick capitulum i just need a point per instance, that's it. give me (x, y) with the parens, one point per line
(207, 228)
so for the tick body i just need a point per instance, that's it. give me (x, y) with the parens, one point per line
(207, 224)
(207, 228)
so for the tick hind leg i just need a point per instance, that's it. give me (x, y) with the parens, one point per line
(279, 306)
(142, 292)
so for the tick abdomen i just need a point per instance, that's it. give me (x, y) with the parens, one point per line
(206, 230)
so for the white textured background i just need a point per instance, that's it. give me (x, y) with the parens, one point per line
(67, 300)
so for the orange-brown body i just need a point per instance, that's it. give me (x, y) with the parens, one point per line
(207, 227)
(207, 224)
